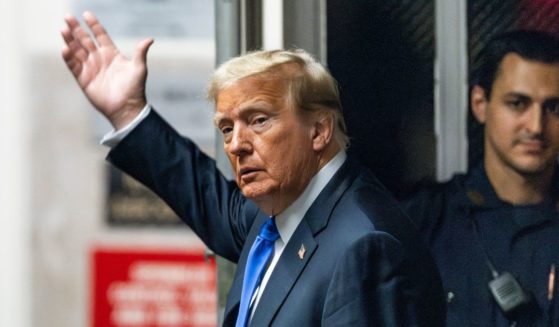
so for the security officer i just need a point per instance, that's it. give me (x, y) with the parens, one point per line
(494, 232)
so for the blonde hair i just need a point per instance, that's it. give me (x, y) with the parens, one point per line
(311, 87)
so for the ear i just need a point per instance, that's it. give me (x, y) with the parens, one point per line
(479, 103)
(323, 130)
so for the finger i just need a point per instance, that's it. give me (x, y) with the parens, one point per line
(67, 35)
(73, 44)
(73, 47)
(99, 32)
(71, 21)
(84, 39)
(141, 52)
(79, 33)
(78, 51)
(70, 58)
(73, 64)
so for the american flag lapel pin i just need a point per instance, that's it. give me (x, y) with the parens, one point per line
(302, 251)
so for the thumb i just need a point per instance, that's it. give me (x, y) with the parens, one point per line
(141, 52)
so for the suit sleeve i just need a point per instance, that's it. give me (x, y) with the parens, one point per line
(189, 182)
(374, 285)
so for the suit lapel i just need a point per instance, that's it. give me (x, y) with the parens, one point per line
(319, 213)
(285, 274)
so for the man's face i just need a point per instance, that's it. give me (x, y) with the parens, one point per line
(521, 117)
(268, 143)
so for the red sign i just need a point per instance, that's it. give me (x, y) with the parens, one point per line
(152, 289)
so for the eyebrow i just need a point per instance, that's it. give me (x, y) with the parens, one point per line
(218, 117)
(525, 96)
(517, 94)
(244, 109)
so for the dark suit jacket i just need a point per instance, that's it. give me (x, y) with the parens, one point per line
(364, 264)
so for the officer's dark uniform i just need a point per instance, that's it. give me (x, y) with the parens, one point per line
(523, 240)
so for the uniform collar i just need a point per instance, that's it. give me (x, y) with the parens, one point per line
(478, 195)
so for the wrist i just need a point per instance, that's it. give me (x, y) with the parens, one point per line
(126, 115)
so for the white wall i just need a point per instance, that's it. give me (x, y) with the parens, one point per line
(28, 27)
(14, 172)
(52, 175)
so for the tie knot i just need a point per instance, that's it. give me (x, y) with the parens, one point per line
(269, 231)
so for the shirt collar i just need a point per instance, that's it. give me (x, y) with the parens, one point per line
(289, 219)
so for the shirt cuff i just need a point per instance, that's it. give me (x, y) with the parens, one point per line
(112, 138)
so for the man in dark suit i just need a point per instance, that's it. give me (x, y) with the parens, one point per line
(337, 250)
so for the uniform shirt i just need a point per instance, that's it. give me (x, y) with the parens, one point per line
(521, 240)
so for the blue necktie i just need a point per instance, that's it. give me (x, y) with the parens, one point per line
(258, 257)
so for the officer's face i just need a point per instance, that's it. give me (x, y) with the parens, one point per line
(522, 117)
(269, 144)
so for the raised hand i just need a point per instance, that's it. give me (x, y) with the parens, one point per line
(113, 83)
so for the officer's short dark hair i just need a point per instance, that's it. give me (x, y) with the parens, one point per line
(531, 45)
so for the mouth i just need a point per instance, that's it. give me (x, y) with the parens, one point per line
(248, 173)
(534, 146)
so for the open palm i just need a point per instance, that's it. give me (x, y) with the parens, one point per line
(113, 83)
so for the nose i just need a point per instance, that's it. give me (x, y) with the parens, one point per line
(240, 142)
(536, 119)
